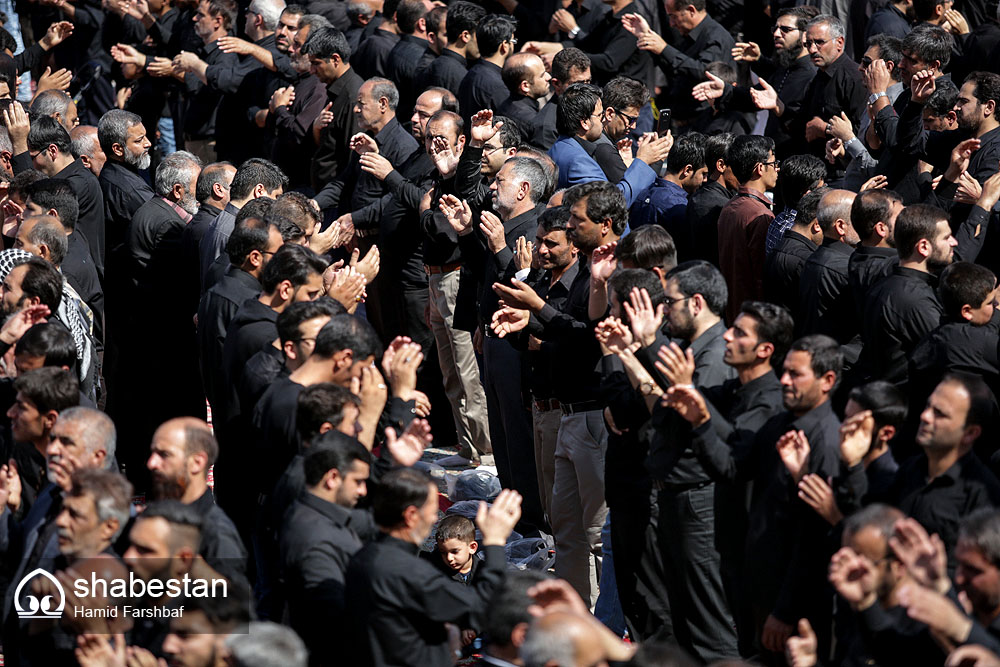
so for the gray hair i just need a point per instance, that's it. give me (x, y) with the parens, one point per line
(267, 644)
(981, 529)
(384, 88)
(835, 25)
(113, 128)
(48, 231)
(268, 10)
(879, 516)
(111, 492)
(543, 645)
(528, 170)
(83, 143)
(314, 21)
(99, 431)
(50, 103)
(364, 9)
(5, 144)
(178, 167)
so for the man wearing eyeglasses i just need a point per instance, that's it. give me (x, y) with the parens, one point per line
(483, 86)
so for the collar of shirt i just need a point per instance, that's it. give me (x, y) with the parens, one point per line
(990, 137)
(519, 219)
(396, 543)
(566, 279)
(413, 39)
(707, 337)
(875, 252)
(795, 236)
(448, 53)
(698, 29)
(756, 194)
(837, 246)
(184, 215)
(717, 187)
(953, 474)
(241, 276)
(757, 385)
(914, 274)
(204, 503)
(810, 419)
(340, 516)
(588, 146)
(337, 87)
(386, 132)
(482, 63)
(841, 64)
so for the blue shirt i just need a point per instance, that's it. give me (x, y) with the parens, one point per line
(665, 204)
(776, 231)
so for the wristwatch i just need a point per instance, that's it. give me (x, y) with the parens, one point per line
(574, 32)
(874, 97)
(646, 388)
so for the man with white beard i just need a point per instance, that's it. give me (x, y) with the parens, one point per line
(126, 146)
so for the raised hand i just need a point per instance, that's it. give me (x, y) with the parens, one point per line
(876, 182)
(816, 493)
(840, 127)
(482, 128)
(235, 45)
(613, 335)
(403, 370)
(969, 190)
(793, 448)
(991, 192)
(523, 250)
(368, 266)
(19, 323)
(960, 156)
(923, 555)
(361, 143)
(689, 404)
(324, 240)
(801, 650)
(282, 97)
(936, 611)
(834, 150)
(409, 448)
(854, 577)
(955, 23)
(346, 223)
(603, 262)
(922, 86)
(56, 34)
(346, 287)
(497, 521)
(877, 77)
(563, 21)
(972, 655)
(775, 634)
(551, 595)
(655, 149)
(651, 41)
(677, 365)
(127, 54)
(746, 51)
(624, 147)
(376, 165)
(856, 437)
(444, 157)
(162, 67)
(519, 295)
(58, 80)
(493, 231)
(324, 118)
(644, 320)
(457, 213)
(97, 650)
(18, 126)
(635, 24)
(709, 90)
(509, 320)
(766, 99)
(10, 486)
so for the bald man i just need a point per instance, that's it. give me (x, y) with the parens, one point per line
(525, 77)
(182, 451)
(567, 639)
(825, 304)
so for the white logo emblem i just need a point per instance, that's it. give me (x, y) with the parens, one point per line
(39, 608)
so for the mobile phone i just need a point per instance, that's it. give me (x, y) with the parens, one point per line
(663, 124)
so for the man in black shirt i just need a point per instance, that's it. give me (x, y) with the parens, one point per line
(371, 58)
(873, 215)
(824, 297)
(400, 602)
(411, 54)
(569, 66)
(705, 203)
(783, 267)
(212, 192)
(483, 86)
(525, 77)
(449, 68)
(124, 142)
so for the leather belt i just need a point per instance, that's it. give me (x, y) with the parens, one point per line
(447, 268)
(365, 233)
(546, 404)
(582, 406)
(660, 485)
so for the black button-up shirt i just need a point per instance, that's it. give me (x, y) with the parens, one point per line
(839, 87)
(523, 110)
(783, 268)
(482, 88)
(408, 58)
(545, 125)
(372, 55)
(124, 192)
(90, 221)
(542, 370)
(221, 546)
(400, 603)
(500, 266)
(447, 71)
(866, 268)
(685, 63)
(203, 99)
(825, 303)
(334, 149)
(612, 49)
(704, 206)
(293, 147)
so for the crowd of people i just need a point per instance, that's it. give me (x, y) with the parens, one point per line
(708, 289)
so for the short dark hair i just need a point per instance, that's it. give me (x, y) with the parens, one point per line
(435, 18)
(716, 147)
(44, 281)
(292, 262)
(224, 8)
(253, 172)
(928, 42)
(722, 70)
(647, 247)
(347, 332)
(292, 317)
(604, 201)
(961, 284)
(508, 607)
(400, 489)
(325, 43)
(808, 205)
(982, 404)
(455, 527)
(981, 529)
(510, 132)
(49, 388)
(7, 41)
(745, 153)
(799, 174)
(56, 194)
(943, 99)
(19, 186)
(462, 17)
(825, 354)
(916, 222)
(554, 219)
(567, 60)
(699, 5)
(492, 31)
(889, 50)
(688, 149)
(700, 277)
(295, 207)
(880, 516)
(802, 15)
(198, 440)
(46, 131)
(774, 325)
(576, 104)
(987, 86)
(185, 522)
(256, 209)
(886, 402)
(319, 404)
(625, 280)
(47, 231)
(623, 92)
(338, 453)
(51, 341)
(408, 13)
(248, 235)
(210, 175)
(871, 207)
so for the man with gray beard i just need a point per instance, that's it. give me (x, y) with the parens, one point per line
(126, 146)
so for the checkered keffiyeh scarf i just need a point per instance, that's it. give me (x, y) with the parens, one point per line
(69, 312)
